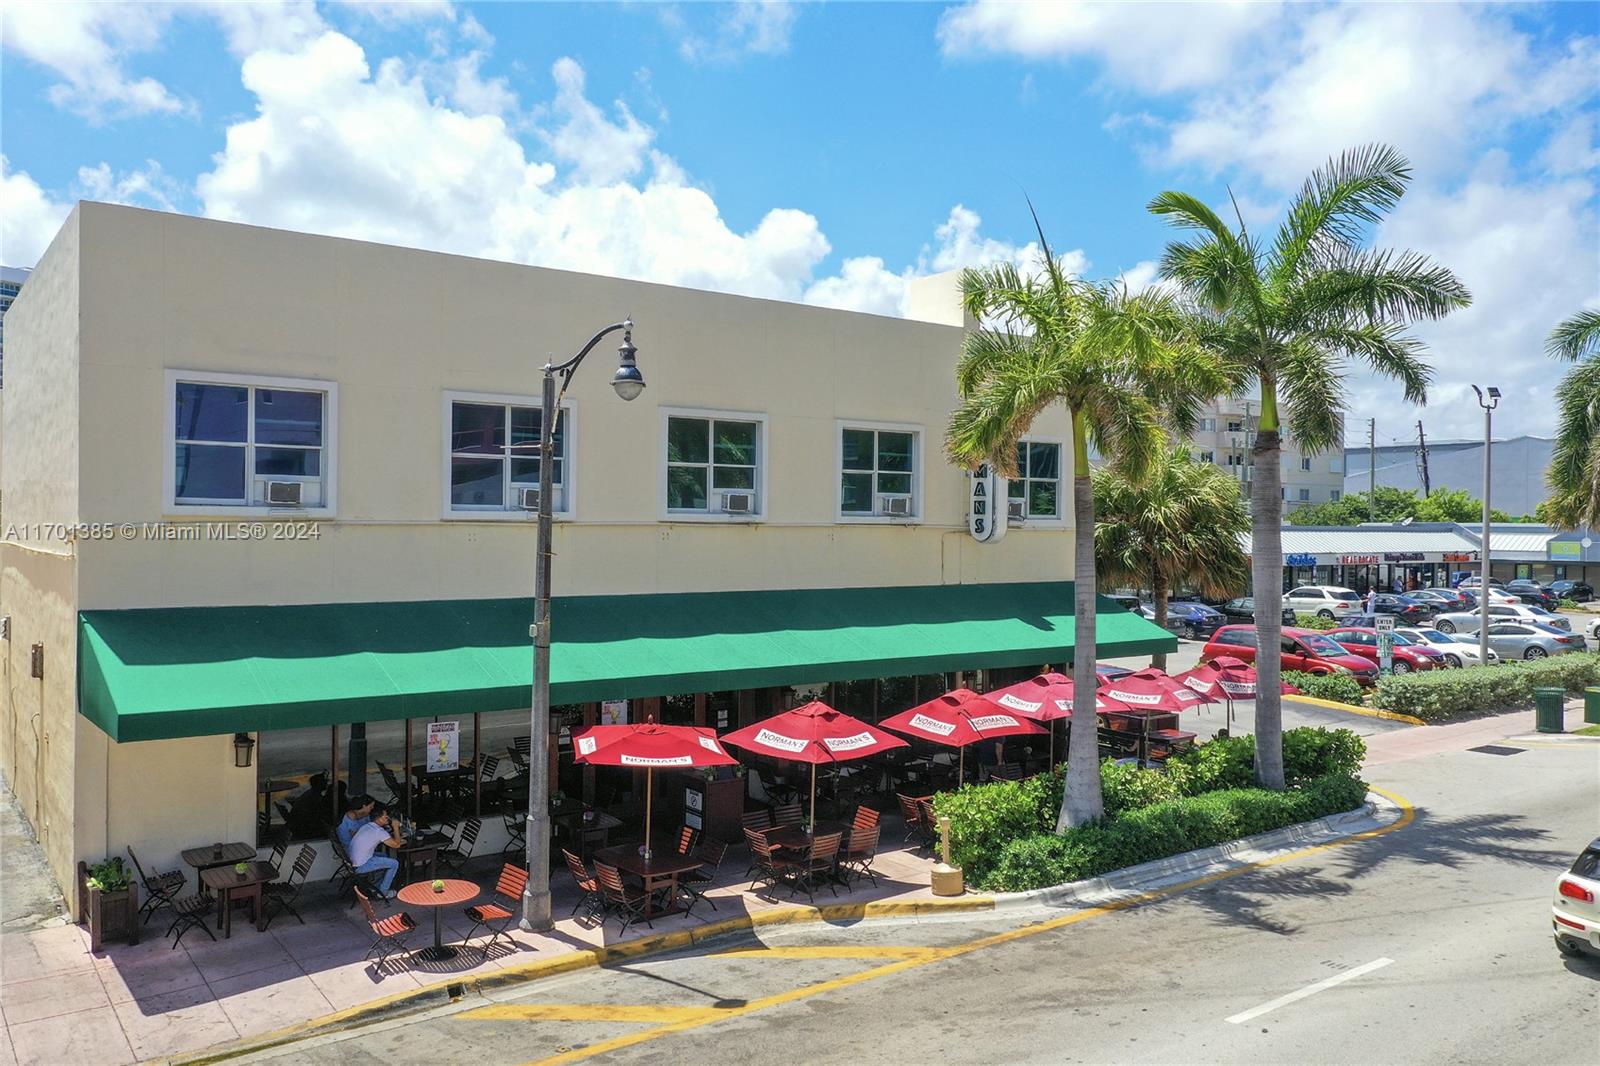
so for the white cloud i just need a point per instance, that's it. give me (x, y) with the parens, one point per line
(1154, 47)
(29, 217)
(601, 151)
(1527, 251)
(748, 27)
(84, 44)
(148, 186)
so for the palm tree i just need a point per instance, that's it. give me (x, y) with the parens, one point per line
(1117, 362)
(1289, 318)
(1575, 466)
(1182, 525)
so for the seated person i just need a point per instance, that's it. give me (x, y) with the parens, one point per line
(364, 858)
(309, 812)
(357, 813)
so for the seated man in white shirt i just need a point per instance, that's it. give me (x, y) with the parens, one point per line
(364, 846)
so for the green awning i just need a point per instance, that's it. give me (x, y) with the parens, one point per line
(200, 671)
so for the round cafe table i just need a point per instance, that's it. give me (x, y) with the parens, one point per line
(421, 894)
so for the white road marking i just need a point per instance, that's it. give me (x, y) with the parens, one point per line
(1309, 990)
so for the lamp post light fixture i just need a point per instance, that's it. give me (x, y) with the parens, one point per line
(628, 383)
(1488, 403)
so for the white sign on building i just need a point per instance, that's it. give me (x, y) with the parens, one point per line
(986, 505)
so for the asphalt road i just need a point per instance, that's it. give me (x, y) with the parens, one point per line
(1430, 943)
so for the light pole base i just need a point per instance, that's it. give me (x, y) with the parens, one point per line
(535, 912)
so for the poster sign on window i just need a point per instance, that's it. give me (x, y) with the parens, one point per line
(444, 751)
(614, 712)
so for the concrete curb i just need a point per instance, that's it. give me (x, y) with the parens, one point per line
(1162, 872)
(1365, 712)
(1121, 884)
(445, 992)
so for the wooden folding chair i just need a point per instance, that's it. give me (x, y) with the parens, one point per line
(500, 910)
(591, 897)
(389, 933)
(627, 901)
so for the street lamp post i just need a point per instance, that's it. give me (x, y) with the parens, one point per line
(629, 383)
(1488, 403)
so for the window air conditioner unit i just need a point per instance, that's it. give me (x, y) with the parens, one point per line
(285, 493)
(738, 502)
(895, 506)
(528, 499)
(1016, 510)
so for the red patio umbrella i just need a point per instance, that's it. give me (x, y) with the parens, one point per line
(813, 733)
(648, 745)
(1229, 679)
(959, 718)
(1150, 690)
(1045, 698)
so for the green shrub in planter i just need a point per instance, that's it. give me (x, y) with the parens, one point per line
(1441, 694)
(1340, 688)
(1310, 754)
(1165, 829)
(1127, 787)
(1229, 762)
(984, 817)
(1315, 621)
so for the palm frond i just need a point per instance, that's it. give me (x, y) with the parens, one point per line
(1384, 347)
(1336, 205)
(1311, 390)
(1575, 463)
(1000, 409)
(1576, 338)
(1356, 284)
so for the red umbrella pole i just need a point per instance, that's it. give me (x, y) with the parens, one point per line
(649, 795)
(811, 827)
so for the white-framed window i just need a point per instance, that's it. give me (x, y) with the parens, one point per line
(1335, 495)
(714, 465)
(1235, 426)
(880, 471)
(1037, 485)
(1208, 425)
(250, 445)
(1235, 459)
(491, 454)
(1305, 462)
(1305, 494)
(1208, 457)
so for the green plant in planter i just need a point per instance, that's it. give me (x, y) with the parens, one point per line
(108, 876)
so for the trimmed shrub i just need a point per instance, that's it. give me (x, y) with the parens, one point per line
(1315, 621)
(1340, 688)
(984, 817)
(1309, 752)
(1126, 787)
(1440, 694)
(1568, 605)
(1164, 829)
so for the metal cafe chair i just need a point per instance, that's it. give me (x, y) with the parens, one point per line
(818, 865)
(161, 889)
(389, 933)
(282, 895)
(711, 853)
(497, 914)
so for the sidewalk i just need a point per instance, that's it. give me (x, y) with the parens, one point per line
(137, 1002)
(1413, 743)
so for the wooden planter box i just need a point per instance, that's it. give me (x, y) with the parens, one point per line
(111, 916)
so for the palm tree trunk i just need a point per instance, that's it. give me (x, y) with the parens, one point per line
(1081, 801)
(1266, 574)
(1158, 593)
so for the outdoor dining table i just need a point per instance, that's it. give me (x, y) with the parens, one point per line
(795, 837)
(231, 886)
(420, 850)
(219, 854)
(659, 873)
(421, 894)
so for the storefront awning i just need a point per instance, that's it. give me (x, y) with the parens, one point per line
(199, 671)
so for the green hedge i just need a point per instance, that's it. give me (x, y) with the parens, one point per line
(1340, 688)
(1440, 694)
(1315, 621)
(985, 819)
(1164, 829)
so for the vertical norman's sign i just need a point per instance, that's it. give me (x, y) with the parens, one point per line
(986, 506)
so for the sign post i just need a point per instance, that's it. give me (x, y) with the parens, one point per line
(1385, 626)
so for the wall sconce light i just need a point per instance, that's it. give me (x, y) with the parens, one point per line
(244, 747)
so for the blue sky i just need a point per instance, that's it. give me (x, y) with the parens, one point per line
(829, 152)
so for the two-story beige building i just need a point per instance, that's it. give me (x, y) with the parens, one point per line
(773, 514)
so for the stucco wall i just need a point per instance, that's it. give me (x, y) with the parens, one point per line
(397, 328)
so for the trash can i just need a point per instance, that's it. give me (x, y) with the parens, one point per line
(1591, 705)
(1547, 704)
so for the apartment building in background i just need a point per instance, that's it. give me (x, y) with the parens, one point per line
(1226, 433)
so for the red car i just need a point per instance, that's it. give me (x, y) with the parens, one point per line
(1303, 649)
(1408, 654)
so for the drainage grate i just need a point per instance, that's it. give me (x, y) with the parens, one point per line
(1498, 749)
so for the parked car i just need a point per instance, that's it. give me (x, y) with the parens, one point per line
(1467, 621)
(1405, 608)
(1445, 599)
(1189, 619)
(1575, 910)
(1529, 591)
(1576, 591)
(1324, 601)
(1533, 640)
(1243, 609)
(1469, 580)
(1125, 600)
(1407, 656)
(1303, 649)
(1456, 651)
(1594, 629)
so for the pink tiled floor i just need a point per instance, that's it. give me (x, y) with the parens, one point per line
(59, 1003)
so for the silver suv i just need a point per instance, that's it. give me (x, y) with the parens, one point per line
(1324, 601)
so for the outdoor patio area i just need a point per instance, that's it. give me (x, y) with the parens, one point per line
(164, 1001)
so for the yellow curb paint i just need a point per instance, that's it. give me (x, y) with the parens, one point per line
(1407, 815)
(588, 958)
(586, 1012)
(863, 952)
(1368, 712)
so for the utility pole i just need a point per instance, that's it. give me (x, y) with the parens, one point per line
(1488, 403)
(1372, 470)
(1422, 460)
